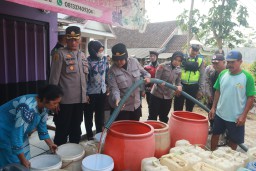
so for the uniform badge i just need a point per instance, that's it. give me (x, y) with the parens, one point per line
(56, 57)
(71, 68)
(68, 56)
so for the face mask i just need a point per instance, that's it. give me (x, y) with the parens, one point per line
(100, 55)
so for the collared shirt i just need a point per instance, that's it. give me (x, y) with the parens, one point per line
(234, 91)
(169, 74)
(69, 70)
(119, 80)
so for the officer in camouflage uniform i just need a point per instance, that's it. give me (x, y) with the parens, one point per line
(69, 70)
(121, 76)
(161, 96)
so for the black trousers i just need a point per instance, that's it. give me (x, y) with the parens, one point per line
(129, 115)
(68, 122)
(159, 107)
(97, 105)
(148, 95)
(192, 90)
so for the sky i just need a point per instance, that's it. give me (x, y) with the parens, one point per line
(167, 10)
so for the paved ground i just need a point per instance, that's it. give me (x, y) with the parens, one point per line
(39, 147)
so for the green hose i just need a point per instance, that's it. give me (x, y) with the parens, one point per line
(156, 81)
(137, 84)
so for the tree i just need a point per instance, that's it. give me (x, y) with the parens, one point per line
(221, 24)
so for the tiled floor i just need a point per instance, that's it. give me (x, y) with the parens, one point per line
(39, 147)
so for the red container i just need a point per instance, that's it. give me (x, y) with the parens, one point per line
(189, 126)
(162, 137)
(128, 142)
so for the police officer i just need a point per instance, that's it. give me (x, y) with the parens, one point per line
(121, 76)
(69, 70)
(161, 96)
(151, 68)
(192, 78)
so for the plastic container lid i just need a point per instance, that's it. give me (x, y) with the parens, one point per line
(70, 152)
(46, 162)
(98, 162)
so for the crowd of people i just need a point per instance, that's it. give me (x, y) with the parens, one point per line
(80, 86)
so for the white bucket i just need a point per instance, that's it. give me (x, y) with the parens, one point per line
(98, 162)
(45, 162)
(71, 155)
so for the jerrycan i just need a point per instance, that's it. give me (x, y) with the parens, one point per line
(202, 166)
(174, 162)
(152, 164)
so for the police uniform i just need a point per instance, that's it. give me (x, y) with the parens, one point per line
(69, 70)
(121, 79)
(192, 80)
(161, 96)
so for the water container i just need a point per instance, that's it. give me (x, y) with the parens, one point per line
(201, 166)
(225, 165)
(179, 149)
(71, 155)
(205, 154)
(90, 147)
(182, 143)
(212, 160)
(97, 162)
(189, 126)
(162, 137)
(251, 166)
(173, 162)
(195, 149)
(152, 164)
(191, 159)
(45, 162)
(252, 154)
(128, 143)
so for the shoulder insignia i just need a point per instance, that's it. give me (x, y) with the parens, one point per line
(56, 57)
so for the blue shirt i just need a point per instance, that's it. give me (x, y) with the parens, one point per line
(18, 118)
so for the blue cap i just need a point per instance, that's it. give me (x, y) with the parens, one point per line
(234, 55)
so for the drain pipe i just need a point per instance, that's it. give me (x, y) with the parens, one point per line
(156, 81)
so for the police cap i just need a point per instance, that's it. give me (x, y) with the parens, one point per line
(73, 32)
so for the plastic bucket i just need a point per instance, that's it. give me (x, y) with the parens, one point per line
(189, 126)
(128, 142)
(71, 155)
(97, 162)
(45, 162)
(162, 137)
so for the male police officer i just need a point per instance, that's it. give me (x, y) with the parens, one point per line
(69, 70)
(192, 77)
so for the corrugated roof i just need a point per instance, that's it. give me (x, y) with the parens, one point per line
(177, 43)
(153, 37)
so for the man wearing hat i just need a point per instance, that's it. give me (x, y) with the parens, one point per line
(69, 70)
(211, 75)
(121, 76)
(151, 68)
(233, 99)
(192, 78)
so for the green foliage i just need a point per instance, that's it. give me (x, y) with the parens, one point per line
(221, 24)
(253, 69)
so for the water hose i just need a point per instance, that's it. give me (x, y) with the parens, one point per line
(156, 81)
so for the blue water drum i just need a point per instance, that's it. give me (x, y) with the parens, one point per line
(251, 166)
